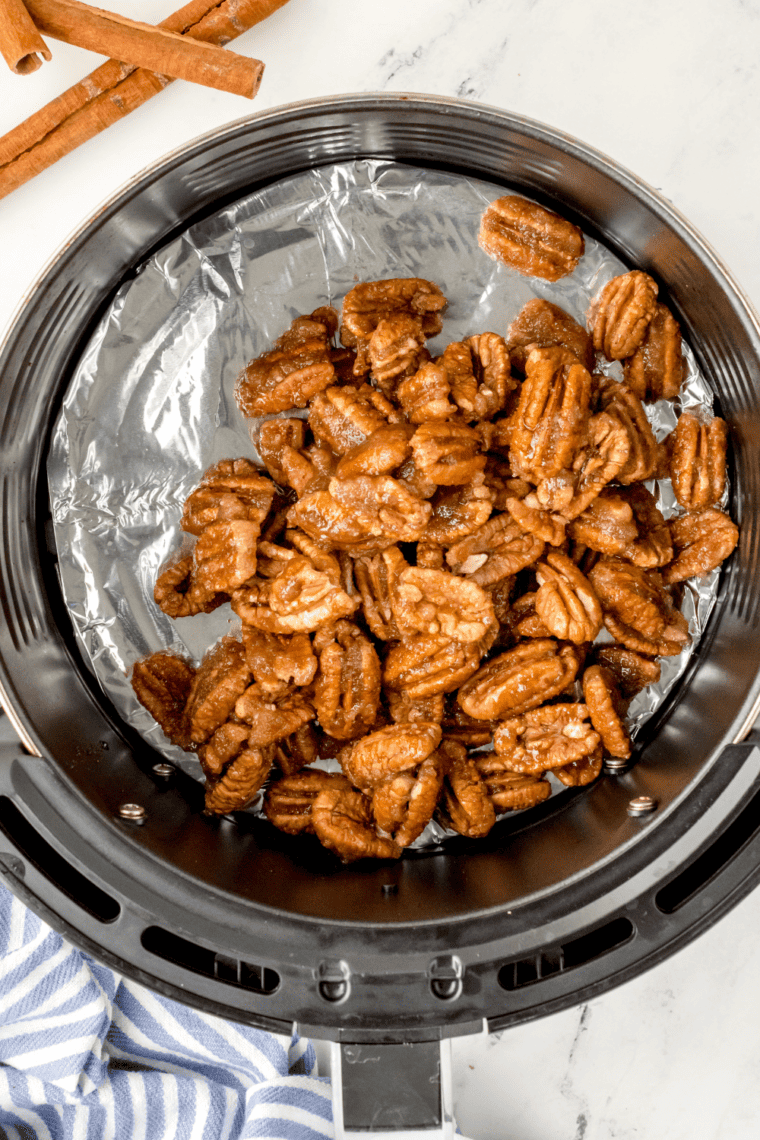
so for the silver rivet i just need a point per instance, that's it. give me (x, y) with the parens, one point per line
(615, 763)
(163, 769)
(641, 805)
(132, 811)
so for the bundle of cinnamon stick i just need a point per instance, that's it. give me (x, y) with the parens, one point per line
(144, 59)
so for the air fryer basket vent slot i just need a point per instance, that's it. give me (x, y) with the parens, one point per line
(222, 967)
(555, 960)
(46, 859)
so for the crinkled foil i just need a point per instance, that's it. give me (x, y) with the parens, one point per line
(151, 403)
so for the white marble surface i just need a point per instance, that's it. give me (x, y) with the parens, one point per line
(670, 89)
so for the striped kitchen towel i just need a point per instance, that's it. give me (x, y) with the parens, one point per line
(88, 1055)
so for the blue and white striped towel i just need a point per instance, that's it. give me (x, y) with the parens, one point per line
(88, 1055)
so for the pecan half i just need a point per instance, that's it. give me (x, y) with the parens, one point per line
(366, 513)
(637, 610)
(230, 489)
(396, 349)
(497, 549)
(381, 755)
(288, 801)
(162, 684)
(545, 738)
(347, 688)
(581, 772)
(296, 368)
(380, 454)
(404, 805)
(178, 594)
(531, 239)
(465, 804)
(606, 709)
(342, 417)
(698, 461)
(457, 512)
(540, 324)
(606, 525)
(220, 679)
(371, 302)
(701, 540)
(632, 671)
(424, 666)
(447, 454)
(510, 791)
(436, 602)
(276, 660)
(653, 546)
(479, 375)
(425, 395)
(342, 821)
(299, 599)
(240, 781)
(619, 401)
(566, 602)
(620, 314)
(596, 463)
(550, 421)
(272, 717)
(519, 679)
(225, 556)
(655, 371)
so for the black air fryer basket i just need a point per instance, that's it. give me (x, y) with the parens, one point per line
(554, 906)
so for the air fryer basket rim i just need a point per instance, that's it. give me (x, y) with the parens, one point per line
(69, 795)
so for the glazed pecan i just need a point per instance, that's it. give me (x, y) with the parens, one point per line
(531, 239)
(581, 772)
(522, 619)
(497, 549)
(457, 512)
(550, 421)
(479, 375)
(272, 717)
(447, 454)
(655, 371)
(531, 517)
(288, 801)
(347, 688)
(225, 556)
(426, 665)
(230, 489)
(383, 754)
(296, 368)
(437, 602)
(519, 679)
(342, 417)
(240, 781)
(701, 540)
(376, 576)
(371, 302)
(619, 401)
(396, 350)
(430, 556)
(566, 602)
(342, 821)
(276, 660)
(299, 599)
(510, 791)
(606, 525)
(697, 454)
(320, 558)
(502, 484)
(425, 395)
(632, 671)
(606, 709)
(637, 610)
(620, 314)
(162, 684)
(545, 738)
(404, 805)
(540, 324)
(653, 547)
(380, 454)
(227, 742)
(465, 804)
(366, 513)
(596, 463)
(222, 676)
(405, 709)
(297, 750)
(178, 594)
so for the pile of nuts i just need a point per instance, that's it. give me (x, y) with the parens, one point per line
(424, 564)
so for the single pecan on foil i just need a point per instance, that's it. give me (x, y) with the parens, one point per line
(531, 239)
(607, 709)
(543, 739)
(520, 679)
(347, 687)
(342, 417)
(701, 541)
(697, 461)
(620, 314)
(566, 602)
(655, 370)
(162, 684)
(231, 489)
(424, 396)
(289, 800)
(638, 612)
(178, 594)
(342, 820)
(368, 304)
(293, 371)
(479, 375)
(540, 324)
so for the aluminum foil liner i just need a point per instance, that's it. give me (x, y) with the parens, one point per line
(151, 403)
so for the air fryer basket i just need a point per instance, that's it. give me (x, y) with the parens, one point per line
(233, 917)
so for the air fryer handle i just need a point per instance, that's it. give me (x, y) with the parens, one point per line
(399, 1092)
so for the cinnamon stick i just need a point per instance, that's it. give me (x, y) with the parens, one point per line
(113, 90)
(21, 45)
(144, 45)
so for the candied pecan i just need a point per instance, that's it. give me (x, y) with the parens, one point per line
(457, 512)
(425, 395)
(222, 676)
(240, 781)
(342, 821)
(545, 738)
(430, 556)
(281, 445)
(531, 239)
(320, 558)
(596, 464)
(519, 679)
(502, 484)
(405, 709)
(366, 513)
(404, 805)
(637, 610)
(632, 671)
(425, 665)
(371, 302)
(606, 525)
(619, 401)
(497, 549)
(288, 801)
(276, 660)
(347, 688)
(229, 740)
(581, 772)
(550, 421)
(533, 518)
(376, 577)
(344, 417)
(479, 375)
(298, 600)
(655, 370)
(698, 461)
(540, 324)
(566, 602)
(380, 453)
(225, 556)
(619, 315)
(297, 750)
(230, 489)
(447, 454)
(510, 791)
(437, 602)
(465, 804)
(177, 593)
(396, 349)
(162, 684)
(522, 619)
(702, 540)
(381, 755)
(272, 717)
(653, 547)
(462, 730)
(606, 709)
(291, 373)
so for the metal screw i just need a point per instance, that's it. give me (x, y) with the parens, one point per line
(164, 770)
(132, 811)
(641, 805)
